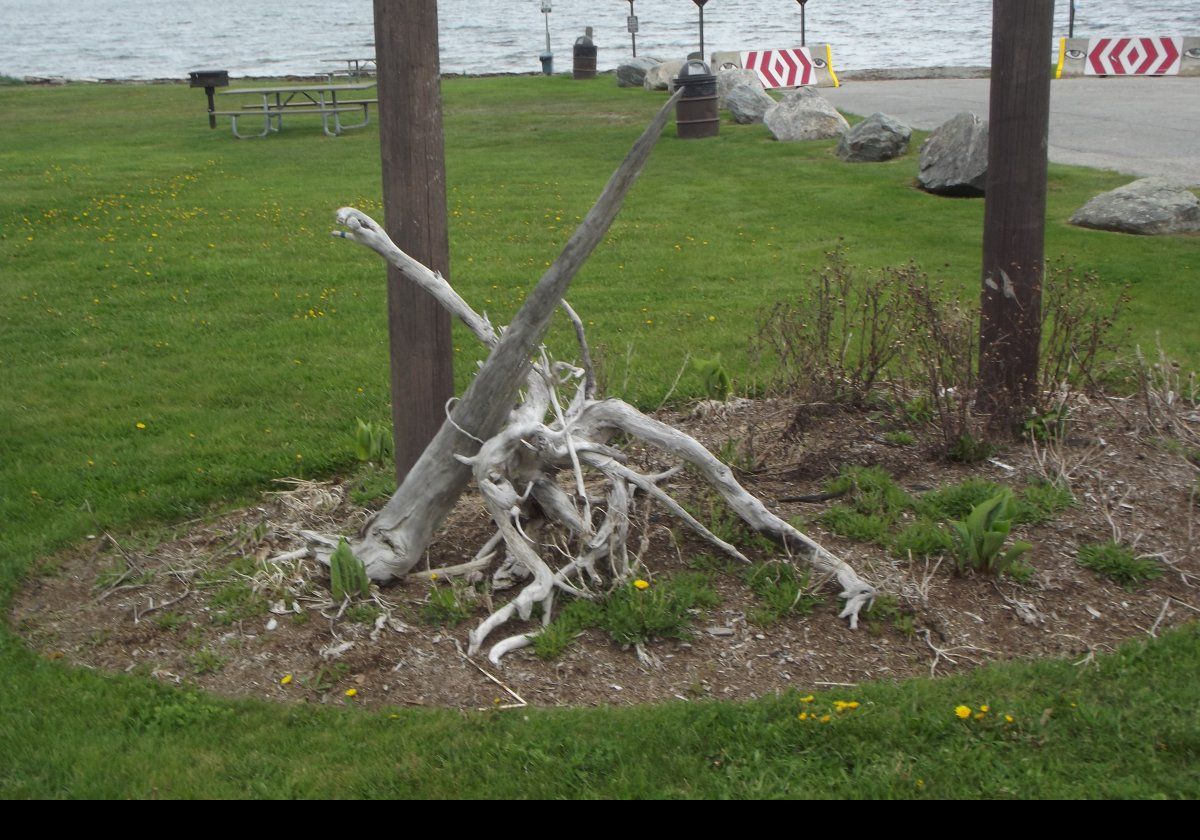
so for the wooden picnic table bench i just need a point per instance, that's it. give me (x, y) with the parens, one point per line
(319, 99)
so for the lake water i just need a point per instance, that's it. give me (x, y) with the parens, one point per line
(145, 39)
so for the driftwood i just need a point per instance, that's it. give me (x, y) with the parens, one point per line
(536, 440)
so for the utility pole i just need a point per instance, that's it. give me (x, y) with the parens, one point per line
(1015, 208)
(414, 199)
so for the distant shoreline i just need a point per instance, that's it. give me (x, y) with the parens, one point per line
(867, 75)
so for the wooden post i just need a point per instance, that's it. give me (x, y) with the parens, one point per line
(414, 197)
(1015, 207)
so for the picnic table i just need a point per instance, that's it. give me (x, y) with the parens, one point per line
(321, 99)
(355, 67)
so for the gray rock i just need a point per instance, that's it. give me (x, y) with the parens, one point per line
(748, 104)
(633, 73)
(727, 80)
(954, 157)
(877, 138)
(1149, 206)
(803, 114)
(660, 76)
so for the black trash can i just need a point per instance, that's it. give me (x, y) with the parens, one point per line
(585, 58)
(696, 112)
(210, 80)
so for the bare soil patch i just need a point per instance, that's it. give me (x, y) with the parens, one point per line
(207, 608)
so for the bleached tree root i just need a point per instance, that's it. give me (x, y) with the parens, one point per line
(559, 494)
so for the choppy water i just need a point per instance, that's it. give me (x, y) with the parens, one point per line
(147, 39)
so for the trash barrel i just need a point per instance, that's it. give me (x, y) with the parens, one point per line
(696, 112)
(210, 80)
(585, 58)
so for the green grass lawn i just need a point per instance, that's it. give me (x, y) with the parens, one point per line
(179, 329)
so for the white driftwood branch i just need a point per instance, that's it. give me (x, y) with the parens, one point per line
(536, 456)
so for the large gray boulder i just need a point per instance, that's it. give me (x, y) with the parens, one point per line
(803, 114)
(748, 104)
(877, 138)
(1149, 206)
(633, 72)
(732, 78)
(661, 76)
(954, 157)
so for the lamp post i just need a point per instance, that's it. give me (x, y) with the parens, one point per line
(700, 4)
(631, 23)
(547, 57)
(802, 33)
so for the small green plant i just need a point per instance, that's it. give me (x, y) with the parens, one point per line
(870, 490)
(900, 438)
(918, 411)
(327, 676)
(980, 538)
(371, 485)
(170, 620)
(1050, 425)
(968, 449)
(572, 620)
(887, 610)
(1118, 563)
(781, 590)
(372, 441)
(448, 605)
(1042, 502)
(637, 613)
(236, 601)
(923, 538)
(347, 574)
(955, 501)
(713, 378)
(847, 522)
(206, 661)
(362, 613)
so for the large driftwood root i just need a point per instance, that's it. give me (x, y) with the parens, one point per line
(536, 441)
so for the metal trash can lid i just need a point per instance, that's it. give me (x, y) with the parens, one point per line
(584, 41)
(694, 71)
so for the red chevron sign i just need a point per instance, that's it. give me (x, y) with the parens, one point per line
(781, 68)
(1133, 56)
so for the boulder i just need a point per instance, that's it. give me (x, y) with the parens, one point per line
(661, 76)
(727, 80)
(633, 72)
(1149, 206)
(877, 138)
(954, 157)
(803, 114)
(748, 104)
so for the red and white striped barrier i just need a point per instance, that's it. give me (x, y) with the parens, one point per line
(784, 68)
(1159, 55)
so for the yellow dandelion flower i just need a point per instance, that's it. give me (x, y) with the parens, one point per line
(807, 699)
(853, 704)
(826, 718)
(140, 425)
(641, 584)
(287, 680)
(985, 708)
(963, 712)
(351, 692)
(1008, 718)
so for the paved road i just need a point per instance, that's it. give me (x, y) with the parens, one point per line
(1146, 126)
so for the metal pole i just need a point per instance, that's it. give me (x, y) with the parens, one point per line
(701, 33)
(803, 41)
(1014, 215)
(632, 34)
(414, 199)
(547, 17)
(1071, 21)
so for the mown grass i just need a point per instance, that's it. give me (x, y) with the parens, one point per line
(178, 330)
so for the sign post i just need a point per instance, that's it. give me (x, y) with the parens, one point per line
(547, 57)
(803, 43)
(700, 4)
(631, 23)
